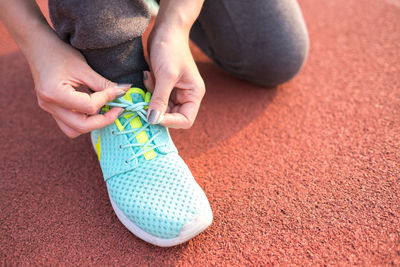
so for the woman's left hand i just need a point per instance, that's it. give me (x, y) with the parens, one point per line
(174, 79)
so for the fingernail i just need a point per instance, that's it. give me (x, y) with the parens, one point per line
(145, 76)
(121, 89)
(160, 119)
(119, 93)
(123, 86)
(121, 112)
(153, 116)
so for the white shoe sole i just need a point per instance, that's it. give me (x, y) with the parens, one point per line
(191, 229)
(188, 231)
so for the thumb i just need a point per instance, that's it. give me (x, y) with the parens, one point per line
(95, 81)
(103, 88)
(98, 83)
(159, 101)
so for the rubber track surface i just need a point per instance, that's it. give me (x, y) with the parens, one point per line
(306, 173)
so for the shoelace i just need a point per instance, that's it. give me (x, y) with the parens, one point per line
(136, 110)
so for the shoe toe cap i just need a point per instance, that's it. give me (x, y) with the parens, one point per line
(198, 224)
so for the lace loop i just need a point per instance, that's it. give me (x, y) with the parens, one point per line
(135, 110)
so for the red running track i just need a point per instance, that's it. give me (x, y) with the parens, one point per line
(306, 173)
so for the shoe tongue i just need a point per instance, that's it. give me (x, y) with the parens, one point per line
(137, 95)
(134, 95)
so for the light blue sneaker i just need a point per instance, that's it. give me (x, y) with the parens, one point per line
(150, 187)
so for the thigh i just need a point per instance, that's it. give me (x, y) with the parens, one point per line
(264, 41)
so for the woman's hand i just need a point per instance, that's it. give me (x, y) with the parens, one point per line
(175, 80)
(58, 69)
(178, 86)
(56, 73)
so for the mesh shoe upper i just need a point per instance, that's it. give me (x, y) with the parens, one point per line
(157, 193)
(159, 196)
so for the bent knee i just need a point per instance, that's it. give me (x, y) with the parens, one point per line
(270, 65)
(271, 69)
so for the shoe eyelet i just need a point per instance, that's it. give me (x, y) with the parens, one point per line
(113, 132)
(126, 162)
(120, 147)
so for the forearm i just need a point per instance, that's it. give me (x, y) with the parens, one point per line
(178, 14)
(27, 25)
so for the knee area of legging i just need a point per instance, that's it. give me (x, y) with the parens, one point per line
(271, 69)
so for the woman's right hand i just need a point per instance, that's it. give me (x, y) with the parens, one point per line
(57, 70)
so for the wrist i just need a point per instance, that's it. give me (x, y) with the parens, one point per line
(175, 23)
(166, 32)
(178, 15)
(33, 45)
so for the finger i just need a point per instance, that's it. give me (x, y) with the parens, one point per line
(93, 80)
(96, 82)
(83, 123)
(148, 81)
(71, 99)
(159, 101)
(68, 131)
(182, 117)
